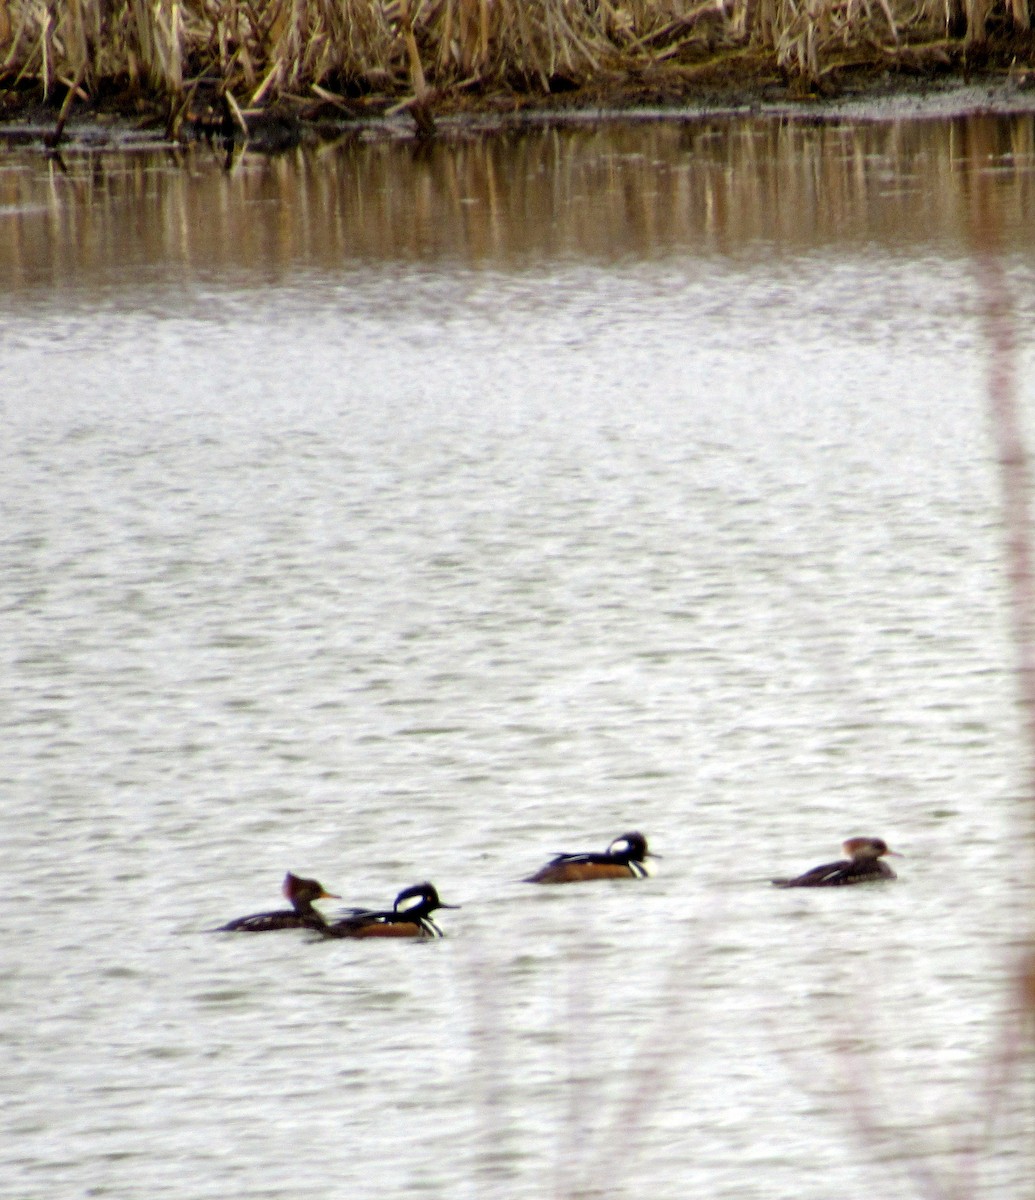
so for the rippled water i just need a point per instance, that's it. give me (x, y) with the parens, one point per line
(428, 563)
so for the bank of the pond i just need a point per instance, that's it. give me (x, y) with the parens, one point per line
(935, 80)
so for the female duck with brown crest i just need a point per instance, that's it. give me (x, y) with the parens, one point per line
(301, 914)
(862, 865)
(623, 859)
(409, 917)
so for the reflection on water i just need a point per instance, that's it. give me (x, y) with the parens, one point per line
(435, 512)
(604, 193)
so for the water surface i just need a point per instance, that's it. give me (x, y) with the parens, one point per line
(385, 515)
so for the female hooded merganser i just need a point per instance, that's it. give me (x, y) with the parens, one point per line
(409, 917)
(621, 860)
(301, 914)
(862, 865)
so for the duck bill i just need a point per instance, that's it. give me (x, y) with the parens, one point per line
(328, 895)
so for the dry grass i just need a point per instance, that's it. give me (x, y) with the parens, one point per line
(267, 49)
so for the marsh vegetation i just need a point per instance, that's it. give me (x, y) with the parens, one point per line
(353, 57)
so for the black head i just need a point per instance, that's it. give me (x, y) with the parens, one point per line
(419, 900)
(632, 847)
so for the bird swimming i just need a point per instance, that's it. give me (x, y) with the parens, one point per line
(301, 915)
(409, 916)
(862, 864)
(623, 859)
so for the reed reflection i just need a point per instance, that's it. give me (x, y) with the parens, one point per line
(603, 193)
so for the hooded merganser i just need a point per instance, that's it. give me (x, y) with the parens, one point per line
(862, 865)
(621, 860)
(410, 916)
(301, 914)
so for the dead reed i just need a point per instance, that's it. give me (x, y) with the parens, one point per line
(261, 50)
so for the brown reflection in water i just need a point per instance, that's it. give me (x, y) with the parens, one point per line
(603, 193)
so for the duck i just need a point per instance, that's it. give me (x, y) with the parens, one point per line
(409, 917)
(623, 859)
(301, 915)
(861, 864)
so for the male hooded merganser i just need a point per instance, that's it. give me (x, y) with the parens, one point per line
(410, 917)
(301, 914)
(621, 860)
(862, 865)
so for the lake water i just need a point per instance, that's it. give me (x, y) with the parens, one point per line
(389, 514)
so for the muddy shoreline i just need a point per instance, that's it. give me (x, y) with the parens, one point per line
(930, 82)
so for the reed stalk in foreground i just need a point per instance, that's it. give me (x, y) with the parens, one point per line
(999, 319)
(284, 49)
